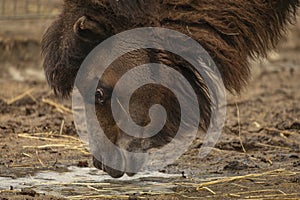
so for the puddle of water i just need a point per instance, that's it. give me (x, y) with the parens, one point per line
(83, 181)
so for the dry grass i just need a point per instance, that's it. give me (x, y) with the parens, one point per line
(60, 108)
(27, 93)
(234, 178)
(58, 141)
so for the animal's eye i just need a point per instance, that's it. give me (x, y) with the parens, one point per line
(99, 96)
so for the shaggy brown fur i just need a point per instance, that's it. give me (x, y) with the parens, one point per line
(231, 31)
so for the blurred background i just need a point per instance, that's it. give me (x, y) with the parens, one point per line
(22, 23)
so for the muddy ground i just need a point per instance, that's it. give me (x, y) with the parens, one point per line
(257, 156)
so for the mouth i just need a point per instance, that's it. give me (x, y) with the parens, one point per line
(114, 173)
(120, 161)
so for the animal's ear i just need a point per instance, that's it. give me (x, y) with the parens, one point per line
(59, 71)
(89, 30)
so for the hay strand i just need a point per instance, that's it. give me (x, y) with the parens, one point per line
(21, 96)
(59, 108)
(229, 179)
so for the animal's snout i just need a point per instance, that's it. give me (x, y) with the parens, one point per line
(111, 171)
(120, 160)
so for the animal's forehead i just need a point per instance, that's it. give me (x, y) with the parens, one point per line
(123, 7)
(86, 2)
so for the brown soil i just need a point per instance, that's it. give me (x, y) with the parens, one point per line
(37, 134)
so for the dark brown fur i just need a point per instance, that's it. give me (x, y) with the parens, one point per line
(231, 31)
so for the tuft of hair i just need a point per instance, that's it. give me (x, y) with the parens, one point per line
(231, 31)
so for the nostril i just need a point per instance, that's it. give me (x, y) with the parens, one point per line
(99, 96)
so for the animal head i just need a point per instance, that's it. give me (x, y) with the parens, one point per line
(230, 32)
